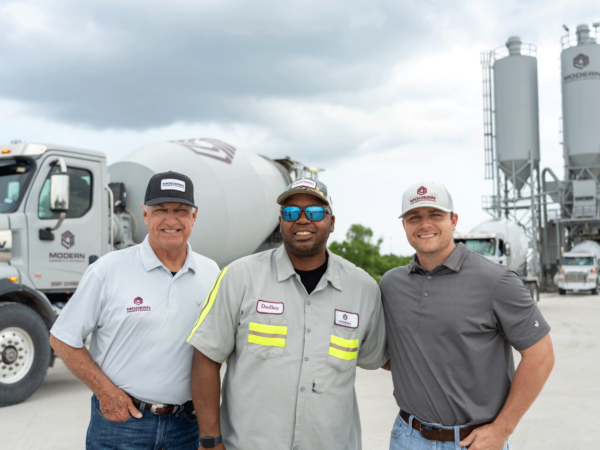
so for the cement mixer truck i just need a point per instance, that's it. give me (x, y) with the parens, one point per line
(579, 269)
(61, 208)
(502, 242)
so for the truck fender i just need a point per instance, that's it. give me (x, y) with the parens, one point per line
(19, 293)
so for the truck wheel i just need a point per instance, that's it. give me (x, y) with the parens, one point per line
(561, 291)
(595, 291)
(25, 353)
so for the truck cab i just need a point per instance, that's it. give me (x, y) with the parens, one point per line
(578, 272)
(52, 226)
(490, 245)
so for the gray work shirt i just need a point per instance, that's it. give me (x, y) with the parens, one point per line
(292, 356)
(450, 333)
(139, 316)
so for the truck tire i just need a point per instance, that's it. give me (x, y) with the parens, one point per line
(595, 291)
(561, 291)
(25, 352)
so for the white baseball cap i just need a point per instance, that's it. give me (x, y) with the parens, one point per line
(426, 194)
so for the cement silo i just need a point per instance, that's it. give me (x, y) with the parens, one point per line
(516, 112)
(580, 64)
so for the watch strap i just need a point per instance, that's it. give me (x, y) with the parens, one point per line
(210, 442)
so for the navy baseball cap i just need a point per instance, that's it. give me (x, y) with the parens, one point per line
(169, 187)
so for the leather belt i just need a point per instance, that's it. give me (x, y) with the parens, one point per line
(438, 434)
(159, 410)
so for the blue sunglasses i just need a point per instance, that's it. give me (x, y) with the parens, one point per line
(313, 213)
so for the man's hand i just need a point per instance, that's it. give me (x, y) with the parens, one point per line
(487, 437)
(117, 406)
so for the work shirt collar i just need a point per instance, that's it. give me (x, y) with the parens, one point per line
(453, 262)
(285, 269)
(150, 260)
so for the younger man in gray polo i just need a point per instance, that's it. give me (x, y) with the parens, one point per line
(450, 330)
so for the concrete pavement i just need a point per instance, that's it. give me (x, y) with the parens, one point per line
(565, 416)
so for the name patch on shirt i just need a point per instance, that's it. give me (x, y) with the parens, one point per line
(264, 307)
(346, 319)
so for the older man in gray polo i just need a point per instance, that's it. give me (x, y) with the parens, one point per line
(452, 319)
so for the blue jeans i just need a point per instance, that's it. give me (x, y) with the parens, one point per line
(169, 431)
(404, 437)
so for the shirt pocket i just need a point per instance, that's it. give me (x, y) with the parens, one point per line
(343, 349)
(267, 336)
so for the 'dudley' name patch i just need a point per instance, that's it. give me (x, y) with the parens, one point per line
(264, 307)
(346, 319)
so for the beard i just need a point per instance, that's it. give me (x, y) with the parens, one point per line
(301, 250)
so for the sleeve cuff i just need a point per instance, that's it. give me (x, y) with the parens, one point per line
(524, 345)
(211, 353)
(75, 342)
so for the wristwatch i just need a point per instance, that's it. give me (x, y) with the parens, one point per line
(210, 442)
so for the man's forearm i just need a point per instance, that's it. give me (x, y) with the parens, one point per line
(530, 377)
(206, 394)
(79, 361)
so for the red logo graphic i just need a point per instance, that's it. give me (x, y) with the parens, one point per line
(580, 61)
(67, 239)
(138, 300)
(422, 190)
(209, 147)
(345, 316)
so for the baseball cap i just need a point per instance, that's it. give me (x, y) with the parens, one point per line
(169, 187)
(426, 194)
(306, 186)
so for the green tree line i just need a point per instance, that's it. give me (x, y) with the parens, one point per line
(359, 249)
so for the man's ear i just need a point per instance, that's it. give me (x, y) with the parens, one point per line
(332, 223)
(403, 226)
(145, 214)
(454, 221)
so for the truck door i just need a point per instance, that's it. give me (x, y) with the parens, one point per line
(58, 265)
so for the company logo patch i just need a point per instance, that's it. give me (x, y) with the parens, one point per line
(580, 61)
(138, 300)
(170, 184)
(422, 190)
(264, 307)
(346, 319)
(304, 183)
(67, 239)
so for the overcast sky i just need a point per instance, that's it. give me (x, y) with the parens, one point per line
(382, 94)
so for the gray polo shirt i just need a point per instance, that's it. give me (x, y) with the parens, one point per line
(139, 316)
(292, 356)
(450, 333)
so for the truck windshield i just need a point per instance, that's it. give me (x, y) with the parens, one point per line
(13, 178)
(578, 261)
(485, 247)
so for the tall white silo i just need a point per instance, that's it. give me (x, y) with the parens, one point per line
(516, 112)
(580, 66)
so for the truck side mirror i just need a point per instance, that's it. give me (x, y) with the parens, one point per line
(59, 192)
(507, 249)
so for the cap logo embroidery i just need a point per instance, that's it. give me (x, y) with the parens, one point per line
(422, 190)
(138, 300)
(346, 319)
(171, 184)
(304, 183)
(264, 307)
(425, 198)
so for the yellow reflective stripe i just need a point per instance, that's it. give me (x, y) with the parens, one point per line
(344, 342)
(348, 356)
(268, 335)
(208, 303)
(269, 342)
(269, 329)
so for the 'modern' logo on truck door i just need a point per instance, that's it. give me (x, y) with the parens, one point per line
(67, 240)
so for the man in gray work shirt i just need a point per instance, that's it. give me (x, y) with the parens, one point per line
(294, 322)
(451, 318)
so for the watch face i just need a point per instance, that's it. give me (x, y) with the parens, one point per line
(208, 442)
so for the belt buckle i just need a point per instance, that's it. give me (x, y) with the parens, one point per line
(153, 408)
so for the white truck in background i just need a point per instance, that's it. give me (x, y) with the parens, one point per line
(579, 269)
(61, 208)
(503, 242)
